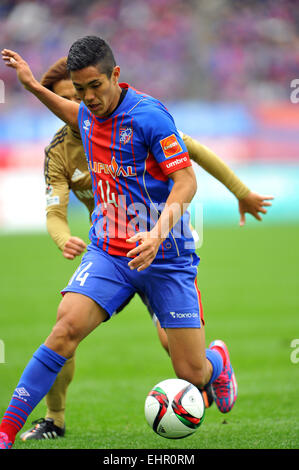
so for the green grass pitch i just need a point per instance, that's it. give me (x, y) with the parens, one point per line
(249, 282)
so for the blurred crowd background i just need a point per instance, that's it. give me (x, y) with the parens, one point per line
(175, 49)
(223, 67)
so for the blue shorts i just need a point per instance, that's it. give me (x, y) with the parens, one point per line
(169, 286)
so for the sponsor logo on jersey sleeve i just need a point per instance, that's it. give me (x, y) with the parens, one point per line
(170, 146)
(176, 163)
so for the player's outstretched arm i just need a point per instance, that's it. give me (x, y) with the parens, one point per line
(253, 204)
(249, 202)
(64, 109)
(180, 196)
(57, 201)
(215, 166)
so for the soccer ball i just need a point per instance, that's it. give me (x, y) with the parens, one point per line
(174, 408)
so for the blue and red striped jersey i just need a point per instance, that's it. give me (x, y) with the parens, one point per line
(130, 155)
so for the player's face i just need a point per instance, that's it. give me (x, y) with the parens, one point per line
(99, 93)
(65, 88)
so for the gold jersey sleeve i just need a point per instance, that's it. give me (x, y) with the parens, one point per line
(65, 170)
(210, 162)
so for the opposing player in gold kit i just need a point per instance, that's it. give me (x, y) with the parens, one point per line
(66, 170)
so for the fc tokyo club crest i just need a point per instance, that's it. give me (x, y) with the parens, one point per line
(125, 134)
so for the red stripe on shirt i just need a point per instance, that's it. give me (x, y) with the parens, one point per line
(153, 168)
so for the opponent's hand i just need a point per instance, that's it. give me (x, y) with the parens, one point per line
(15, 61)
(145, 253)
(73, 247)
(253, 204)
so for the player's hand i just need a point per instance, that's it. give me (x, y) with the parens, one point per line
(253, 204)
(73, 247)
(15, 61)
(145, 253)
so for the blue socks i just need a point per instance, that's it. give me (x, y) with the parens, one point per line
(35, 382)
(39, 376)
(216, 360)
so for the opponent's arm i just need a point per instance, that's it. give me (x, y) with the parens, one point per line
(249, 202)
(180, 196)
(57, 199)
(59, 231)
(216, 167)
(64, 109)
(57, 223)
(58, 227)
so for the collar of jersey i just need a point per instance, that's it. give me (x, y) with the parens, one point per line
(121, 108)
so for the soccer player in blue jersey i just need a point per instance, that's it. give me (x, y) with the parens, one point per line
(140, 238)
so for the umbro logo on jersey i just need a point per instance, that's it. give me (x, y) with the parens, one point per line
(86, 125)
(177, 161)
(77, 175)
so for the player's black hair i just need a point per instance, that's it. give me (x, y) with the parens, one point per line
(91, 51)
